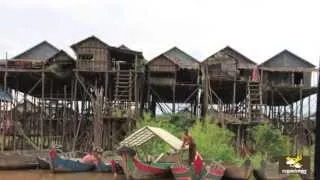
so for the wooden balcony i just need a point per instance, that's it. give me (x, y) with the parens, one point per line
(92, 66)
(22, 65)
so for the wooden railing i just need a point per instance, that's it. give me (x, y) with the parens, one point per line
(92, 65)
(22, 65)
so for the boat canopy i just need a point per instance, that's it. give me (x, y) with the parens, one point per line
(146, 133)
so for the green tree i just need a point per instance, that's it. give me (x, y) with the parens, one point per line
(270, 141)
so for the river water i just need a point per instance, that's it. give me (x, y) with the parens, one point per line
(47, 175)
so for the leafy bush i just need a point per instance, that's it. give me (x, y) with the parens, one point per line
(270, 141)
(213, 142)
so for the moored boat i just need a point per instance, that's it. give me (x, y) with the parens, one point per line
(238, 173)
(136, 169)
(44, 163)
(15, 161)
(108, 167)
(20, 166)
(59, 164)
(208, 170)
(269, 171)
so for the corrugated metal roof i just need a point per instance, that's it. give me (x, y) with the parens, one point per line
(182, 59)
(4, 96)
(290, 53)
(146, 133)
(41, 51)
(243, 62)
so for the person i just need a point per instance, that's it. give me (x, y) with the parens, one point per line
(187, 139)
(91, 157)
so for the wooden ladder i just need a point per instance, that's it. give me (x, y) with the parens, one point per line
(254, 100)
(123, 86)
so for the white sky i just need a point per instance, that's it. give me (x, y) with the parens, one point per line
(257, 28)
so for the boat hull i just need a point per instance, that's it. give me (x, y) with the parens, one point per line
(209, 172)
(135, 169)
(22, 166)
(43, 163)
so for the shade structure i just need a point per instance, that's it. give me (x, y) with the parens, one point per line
(146, 133)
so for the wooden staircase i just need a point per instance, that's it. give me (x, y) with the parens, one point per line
(123, 86)
(254, 101)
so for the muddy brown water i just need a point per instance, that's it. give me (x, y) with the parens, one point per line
(47, 175)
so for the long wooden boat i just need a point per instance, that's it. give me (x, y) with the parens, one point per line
(17, 162)
(62, 164)
(210, 171)
(58, 164)
(44, 163)
(135, 169)
(240, 173)
(269, 171)
(20, 166)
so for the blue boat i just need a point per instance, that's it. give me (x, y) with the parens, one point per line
(109, 167)
(59, 165)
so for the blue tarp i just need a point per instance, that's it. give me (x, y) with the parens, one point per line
(5, 96)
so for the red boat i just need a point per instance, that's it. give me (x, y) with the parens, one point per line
(136, 169)
(204, 170)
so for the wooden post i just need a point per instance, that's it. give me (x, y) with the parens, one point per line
(234, 90)
(153, 106)
(42, 107)
(296, 120)
(301, 101)
(6, 103)
(272, 103)
(205, 91)
(309, 108)
(63, 117)
(261, 95)
(136, 85)
(317, 144)
(50, 112)
(285, 116)
(174, 92)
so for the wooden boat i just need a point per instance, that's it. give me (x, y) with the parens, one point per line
(135, 169)
(58, 164)
(44, 163)
(240, 173)
(17, 162)
(210, 171)
(269, 171)
(20, 166)
(61, 164)
(109, 167)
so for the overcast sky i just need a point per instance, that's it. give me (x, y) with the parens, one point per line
(257, 28)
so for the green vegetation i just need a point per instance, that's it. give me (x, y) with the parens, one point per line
(270, 142)
(215, 143)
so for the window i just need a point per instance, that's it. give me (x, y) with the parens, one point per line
(85, 56)
(297, 78)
